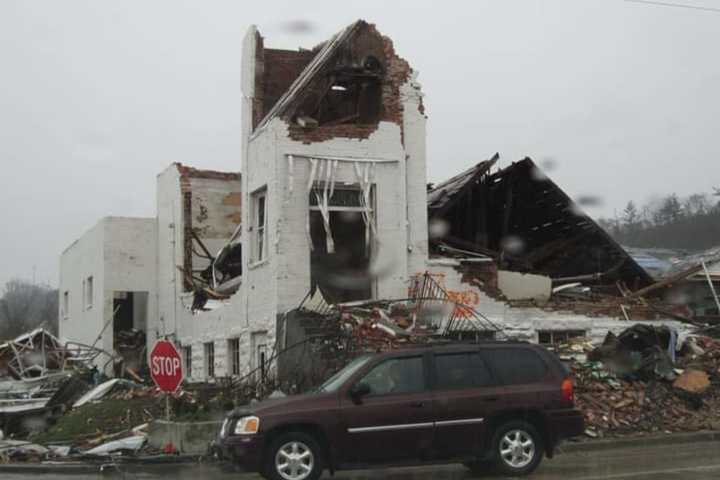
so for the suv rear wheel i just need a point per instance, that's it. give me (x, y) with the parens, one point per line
(517, 448)
(294, 456)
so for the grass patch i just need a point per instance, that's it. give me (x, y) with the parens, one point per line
(106, 417)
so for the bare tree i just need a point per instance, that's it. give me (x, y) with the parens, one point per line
(631, 217)
(24, 306)
(697, 204)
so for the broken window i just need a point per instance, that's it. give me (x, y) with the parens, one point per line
(187, 357)
(262, 361)
(259, 211)
(234, 353)
(209, 348)
(341, 272)
(554, 337)
(88, 292)
(258, 345)
(351, 94)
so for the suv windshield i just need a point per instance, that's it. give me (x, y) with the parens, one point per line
(334, 382)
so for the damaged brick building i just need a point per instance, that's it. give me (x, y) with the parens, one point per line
(333, 200)
(332, 195)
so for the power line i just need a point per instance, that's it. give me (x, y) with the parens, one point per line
(676, 5)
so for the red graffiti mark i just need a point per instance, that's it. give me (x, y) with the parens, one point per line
(465, 300)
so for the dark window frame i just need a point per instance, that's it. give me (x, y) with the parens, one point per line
(209, 359)
(425, 362)
(487, 355)
(435, 383)
(187, 360)
(234, 354)
(567, 333)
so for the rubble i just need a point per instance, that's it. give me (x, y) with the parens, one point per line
(17, 450)
(40, 377)
(693, 381)
(96, 393)
(326, 337)
(634, 402)
(131, 444)
(641, 351)
(39, 355)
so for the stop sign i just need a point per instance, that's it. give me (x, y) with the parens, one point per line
(166, 366)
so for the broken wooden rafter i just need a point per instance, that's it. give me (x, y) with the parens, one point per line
(667, 282)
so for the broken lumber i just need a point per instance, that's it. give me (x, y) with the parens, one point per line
(667, 282)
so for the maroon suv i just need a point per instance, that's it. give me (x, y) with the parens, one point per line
(491, 404)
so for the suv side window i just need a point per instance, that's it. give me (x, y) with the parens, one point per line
(396, 375)
(516, 365)
(461, 370)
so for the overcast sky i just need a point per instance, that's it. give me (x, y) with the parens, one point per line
(97, 97)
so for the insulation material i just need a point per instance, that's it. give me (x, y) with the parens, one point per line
(311, 181)
(366, 177)
(332, 177)
(323, 202)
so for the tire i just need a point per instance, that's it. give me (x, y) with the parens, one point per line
(517, 448)
(299, 452)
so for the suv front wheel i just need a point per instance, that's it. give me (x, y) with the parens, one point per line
(517, 448)
(294, 456)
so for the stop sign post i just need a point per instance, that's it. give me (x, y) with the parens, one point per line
(166, 369)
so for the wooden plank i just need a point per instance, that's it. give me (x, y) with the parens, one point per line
(667, 282)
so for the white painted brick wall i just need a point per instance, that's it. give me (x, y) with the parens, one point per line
(523, 323)
(119, 253)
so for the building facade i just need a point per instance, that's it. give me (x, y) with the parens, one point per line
(332, 203)
(108, 281)
(333, 191)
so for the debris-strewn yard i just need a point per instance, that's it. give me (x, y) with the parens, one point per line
(92, 421)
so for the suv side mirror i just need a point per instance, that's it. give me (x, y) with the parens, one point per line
(358, 391)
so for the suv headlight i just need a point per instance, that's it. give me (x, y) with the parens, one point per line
(247, 426)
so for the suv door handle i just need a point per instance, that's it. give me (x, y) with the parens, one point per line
(491, 399)
(416, 404)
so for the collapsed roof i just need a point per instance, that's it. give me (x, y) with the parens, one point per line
(521, 218)
(709, 257)
(352, 79)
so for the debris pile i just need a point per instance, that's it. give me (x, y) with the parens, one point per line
(632, 385)
(428, 314)
(385, 325)
(37, 355)
(131, 346)
(110, 419)
(40, 375)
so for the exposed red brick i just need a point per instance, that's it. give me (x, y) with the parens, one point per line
(190, 172)
(397, 72)
(235, 217)
(232, 198)
(281, 68)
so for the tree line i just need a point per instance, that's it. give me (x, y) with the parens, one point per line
(25, 306)
(687, 223)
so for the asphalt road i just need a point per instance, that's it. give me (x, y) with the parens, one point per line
(696, 461)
